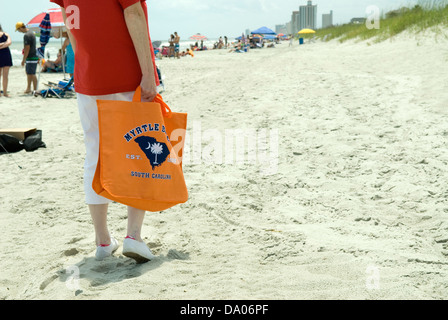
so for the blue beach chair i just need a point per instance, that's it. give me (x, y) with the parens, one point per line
(61, 90)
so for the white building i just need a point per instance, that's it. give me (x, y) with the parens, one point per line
(308, 16)
(327, 20)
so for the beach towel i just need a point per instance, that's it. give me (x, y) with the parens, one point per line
(140, 156)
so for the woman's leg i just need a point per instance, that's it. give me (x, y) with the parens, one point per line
(5, 72)
(135, 222)
(97, 205)
(99, 219)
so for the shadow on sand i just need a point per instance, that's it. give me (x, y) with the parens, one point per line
(115, 268)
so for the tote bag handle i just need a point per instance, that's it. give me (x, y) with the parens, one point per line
(166, 110)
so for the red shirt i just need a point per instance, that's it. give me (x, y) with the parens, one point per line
(105, 57)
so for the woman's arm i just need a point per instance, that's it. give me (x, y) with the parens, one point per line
(138, 30)
(25, 54)
(71, 37)
(7, 43)
(66, 43)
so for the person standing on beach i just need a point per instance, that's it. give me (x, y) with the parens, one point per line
(97, 77)
(30, 59)
(68, 49)
(171, 48)
(176, 45)
(5, 60)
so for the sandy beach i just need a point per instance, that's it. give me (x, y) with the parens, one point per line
(355, 208)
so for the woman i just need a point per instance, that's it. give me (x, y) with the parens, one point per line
(171, 41)
(5, 60)
(97, 79)
(53, 65)
(70, 54)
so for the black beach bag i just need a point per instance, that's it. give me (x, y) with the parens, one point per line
(9, 143)
(34, 141)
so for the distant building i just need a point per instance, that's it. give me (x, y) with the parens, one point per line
(358, 20)
(305, 17)
(308, 16)
(289, 28)
(281, 28)
(295, 21)
(327, 20)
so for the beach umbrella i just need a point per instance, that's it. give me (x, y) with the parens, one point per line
(56, 20)
(198, 37)
(263, 30)
(269, 36)
(306, 31)
(156, 44)
(57, 24)
(45, 34)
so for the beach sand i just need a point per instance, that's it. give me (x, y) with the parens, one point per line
(355, 208)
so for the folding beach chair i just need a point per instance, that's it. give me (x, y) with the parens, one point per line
(61, 90)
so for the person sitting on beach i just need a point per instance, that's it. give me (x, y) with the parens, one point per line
(53, 65)
(238, 47)
(190, 52)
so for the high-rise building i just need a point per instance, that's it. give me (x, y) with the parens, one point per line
(289, 28)
(327, 19)
(308, 16)
(280, 28)
(295, 21)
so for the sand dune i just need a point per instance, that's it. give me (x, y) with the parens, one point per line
(355, 208)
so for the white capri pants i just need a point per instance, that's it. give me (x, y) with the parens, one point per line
(88, 113)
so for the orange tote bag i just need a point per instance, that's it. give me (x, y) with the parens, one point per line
(138, 164)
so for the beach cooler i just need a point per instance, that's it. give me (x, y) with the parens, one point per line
(300, 40)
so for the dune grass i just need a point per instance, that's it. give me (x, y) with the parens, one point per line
(427, 14)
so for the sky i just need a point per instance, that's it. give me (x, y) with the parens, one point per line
(213, 18)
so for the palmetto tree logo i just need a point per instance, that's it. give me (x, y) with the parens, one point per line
(156, 148)
(156, 152)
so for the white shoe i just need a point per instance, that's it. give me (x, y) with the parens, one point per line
(104, 251)
(137, 250)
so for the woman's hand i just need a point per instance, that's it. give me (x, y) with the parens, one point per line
(149, 88)
(138, 30)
